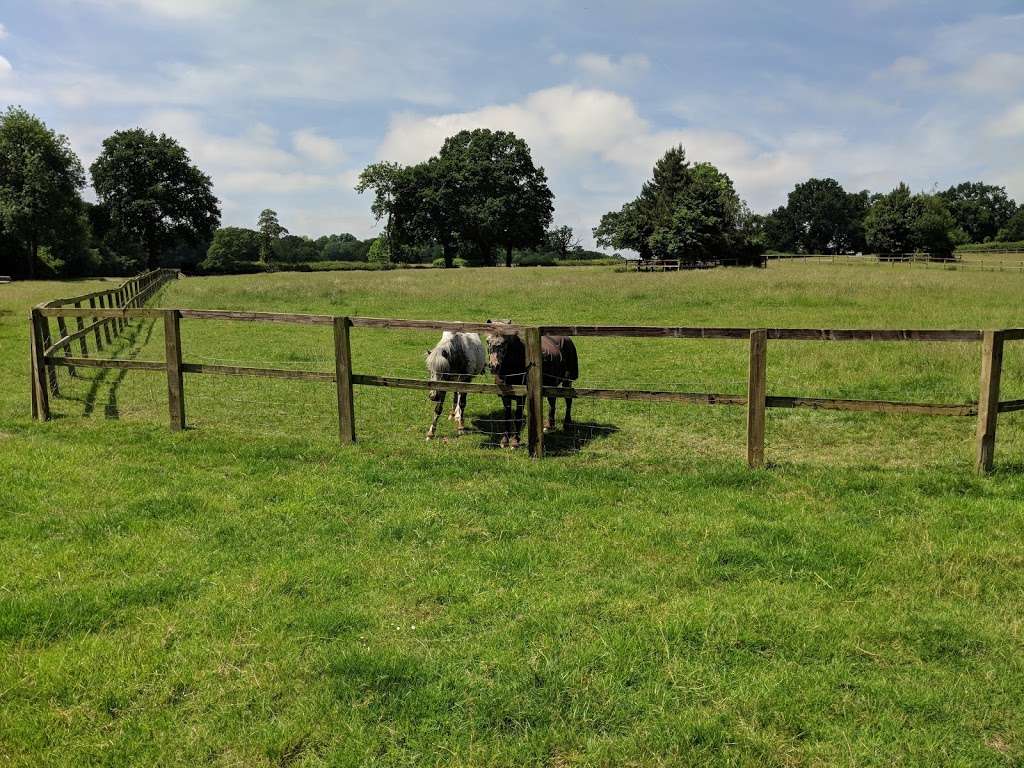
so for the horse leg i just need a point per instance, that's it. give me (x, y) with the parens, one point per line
(460, 410)
(438, 409)
(514, 442)
(568, 414)
(506, 424)
(550, 422)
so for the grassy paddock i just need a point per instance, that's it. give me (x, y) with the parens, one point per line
(249, 593)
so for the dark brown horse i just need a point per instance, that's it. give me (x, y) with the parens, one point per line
(506, 357)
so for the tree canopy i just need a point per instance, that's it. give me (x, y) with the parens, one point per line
(154, 192)
(980, 210)
(685, 211)
(40, 180)
(481, 192)
(901, 222)
(270, 231)
(825, 217)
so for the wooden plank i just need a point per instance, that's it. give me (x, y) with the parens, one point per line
(756, 391)
(343, 377)
(65, 341)
(872, 406)
(266, 373)
(1009, 406)
(102, 362)
(40, 388)
(690, 398)
(788, 334)
(82, 343)
(266, 317)
(362, 379)
(62, 329)
(988, 399)
(51, 371)
(79, 312)
(534, 394)
(172, 358)
(507, 329)
(1013, 334)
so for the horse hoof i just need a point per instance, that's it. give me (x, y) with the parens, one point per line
(429, 438)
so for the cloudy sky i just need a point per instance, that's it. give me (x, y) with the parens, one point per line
(284, 103)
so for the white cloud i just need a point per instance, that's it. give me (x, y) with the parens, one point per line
(602, 67)
(3, 31)
(995, 72)
(319, 148)
(5, 67)
(1010, 124)
(558, 59)
(176, 9)
(906, 68)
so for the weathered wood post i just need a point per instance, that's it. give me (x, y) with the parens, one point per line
(534, 393)
(80, 323)
(107, 302)
(343, 378)
(988, 398)
(756, 392)
(175, 380)
(96, 325)
(40, 389)
(62, 329)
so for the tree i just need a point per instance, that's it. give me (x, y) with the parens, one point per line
(779, 231)
(270, 231)
(343, 247)
(233, 248)
(294, 249)
(503, 198)
(40, 179)
(820, 210)
(981, 210)
(154, 192)
(561, 240)
(888, 225)
(932, 226)
(689, 212)
(379, 252)
(1013, 230)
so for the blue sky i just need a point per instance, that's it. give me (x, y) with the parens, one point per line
(284, 103)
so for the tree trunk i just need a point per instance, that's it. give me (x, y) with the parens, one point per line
(449, 255)
(508, 255)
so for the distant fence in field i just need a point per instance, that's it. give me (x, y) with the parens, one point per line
(111, 309)
(974, 261)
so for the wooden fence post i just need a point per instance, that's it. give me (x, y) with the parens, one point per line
(988, 398)
(534, 393)
(96, 321)
(756, 392)
(343, 379)
(40, 390)
(175, 381)
(82, 343)
(106, 302)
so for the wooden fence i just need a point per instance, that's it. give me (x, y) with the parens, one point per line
(123, 304)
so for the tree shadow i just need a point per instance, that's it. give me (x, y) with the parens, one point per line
(557, 442)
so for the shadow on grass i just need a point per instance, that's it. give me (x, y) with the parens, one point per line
(557, 442)
(112, 378)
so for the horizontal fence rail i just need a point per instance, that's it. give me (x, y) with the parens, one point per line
(756, 400)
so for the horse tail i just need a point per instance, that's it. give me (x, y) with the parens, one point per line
(572, 363)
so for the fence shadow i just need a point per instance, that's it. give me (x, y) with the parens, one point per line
(557, 442)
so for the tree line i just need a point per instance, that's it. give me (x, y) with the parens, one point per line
(480, 200)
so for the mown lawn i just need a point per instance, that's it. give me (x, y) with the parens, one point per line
(250, 593)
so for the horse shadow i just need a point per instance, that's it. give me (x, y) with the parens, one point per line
(557, 442)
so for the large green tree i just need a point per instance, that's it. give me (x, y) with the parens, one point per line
(154, 192)
(232, 249)
(901, 222)
(685, 211)
(271, 231)
(479, 193)
(1013, 230)
(827, 219)
(40, 179)
(979, 209)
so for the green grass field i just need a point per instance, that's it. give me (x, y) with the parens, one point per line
(250, 593)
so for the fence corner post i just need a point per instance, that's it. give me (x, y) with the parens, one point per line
(534, 392)
(988, 399)
(175, 380)
(40, 391)
(343, 379)
(756, 394)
